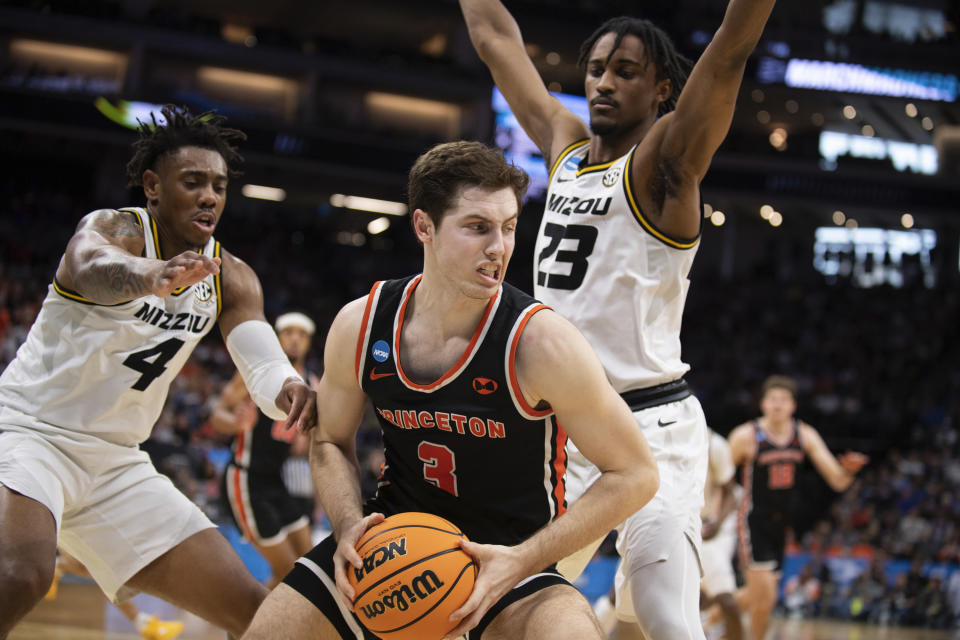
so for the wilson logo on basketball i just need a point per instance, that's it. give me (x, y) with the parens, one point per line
(403, 595)
(484, 386)
(380, 555)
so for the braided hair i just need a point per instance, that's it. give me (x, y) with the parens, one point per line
(660, 50)
(182, 129)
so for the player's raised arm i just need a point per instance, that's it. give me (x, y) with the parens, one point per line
(333, 448)
(838, 473)
(497, 40)
(555, 365)
(271, 380)
(705, 107)
(102, 262)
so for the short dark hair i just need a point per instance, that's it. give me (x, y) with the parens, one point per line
(660, 50)
(779, 382)
(438, 175)
(182, 129)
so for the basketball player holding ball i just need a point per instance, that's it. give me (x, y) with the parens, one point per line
(471, 381)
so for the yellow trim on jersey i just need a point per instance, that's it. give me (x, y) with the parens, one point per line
(69, 294)
(638, 214)
(136, 215)
(590, 168)
(216, 278)
(563, 154)
(156, 245)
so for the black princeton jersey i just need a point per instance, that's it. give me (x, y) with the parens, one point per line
(264, 448)
(466, 447)
(769, 481)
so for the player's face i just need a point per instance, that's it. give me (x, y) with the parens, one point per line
(188, 192)
(474, 242)
(778, 404)
(623, 91)
(295, 342)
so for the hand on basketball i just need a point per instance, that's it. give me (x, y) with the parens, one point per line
(346, 554)
(498, 574)
(299, 401)
(183, 270)
(852, 461)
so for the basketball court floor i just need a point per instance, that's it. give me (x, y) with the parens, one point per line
(80, 612)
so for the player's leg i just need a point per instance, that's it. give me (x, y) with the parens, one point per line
(627, 631)
(731, 616)
(204, 575)
(287, 614)
(280, 557)
(28, 555)
(300, 539)
(556, 612)
(666, 594)
(762, 593)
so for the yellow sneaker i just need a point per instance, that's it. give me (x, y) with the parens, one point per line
(52, 591)
(161, 630)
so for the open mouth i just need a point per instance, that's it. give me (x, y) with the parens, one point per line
(205, 221)
(491, 271)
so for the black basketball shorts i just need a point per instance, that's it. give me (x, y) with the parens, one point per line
(262, 508)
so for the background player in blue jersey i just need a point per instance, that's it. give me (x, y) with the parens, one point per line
(273, 520)
(616, 244)
(768, 450)
(136, 290)
(470, 379)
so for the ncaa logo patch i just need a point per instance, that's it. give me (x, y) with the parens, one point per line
(610, 176)
(202, 291)
(380, 351)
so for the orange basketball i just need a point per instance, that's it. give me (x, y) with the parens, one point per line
(414, 576)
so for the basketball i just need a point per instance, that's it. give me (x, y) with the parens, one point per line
(414, 575)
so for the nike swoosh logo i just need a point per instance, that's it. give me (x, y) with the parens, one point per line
(565, 180)
(665, 424)
(376, 376)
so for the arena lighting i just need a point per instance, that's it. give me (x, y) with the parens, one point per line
(765, 211)
(261, 192)
(849, 112)
(378, 225)
(776, 219)
(873, 256)
(907, 221)
(839, 218)
(918, 158)
(54, 53)
(911, 110)
(127, 113)
(858, 78)
(718, 218)
(707, 210)
(358, 203)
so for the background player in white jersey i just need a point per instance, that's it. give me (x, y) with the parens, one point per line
(262, 507)
(135, 291)
(616, 244)
(720, 535)
(769, 450)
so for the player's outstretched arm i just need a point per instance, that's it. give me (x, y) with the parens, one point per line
(838, 474)
(270, 379)
(705, 107)
(556, 365)
(497, 40)
(102, 262)
(333, 452)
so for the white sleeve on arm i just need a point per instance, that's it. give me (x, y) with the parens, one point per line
(262, 364)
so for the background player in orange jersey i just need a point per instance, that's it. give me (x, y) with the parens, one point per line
(768, 451)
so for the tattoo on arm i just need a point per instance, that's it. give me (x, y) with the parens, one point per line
(111, 280)
(118, 226)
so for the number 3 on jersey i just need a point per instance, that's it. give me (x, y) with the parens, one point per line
(438, 466)
(585, 237)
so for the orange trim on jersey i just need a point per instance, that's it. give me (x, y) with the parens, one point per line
(642, 219)
(563, 154)
(560, 467)
(238, 506)
(361, 338)
(512, 369)
(458, 365)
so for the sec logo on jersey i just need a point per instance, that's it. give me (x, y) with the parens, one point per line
(610, 176)
(202, 291)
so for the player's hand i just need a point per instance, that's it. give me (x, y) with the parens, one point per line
(709, 529)
(346, 555)
(183, 270)
(498, 574)
(299, 401)
(852, 461)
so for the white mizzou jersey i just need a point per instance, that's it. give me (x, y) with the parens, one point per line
(105, 370)
(602, 265)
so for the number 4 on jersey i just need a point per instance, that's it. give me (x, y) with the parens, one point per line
(152, 369)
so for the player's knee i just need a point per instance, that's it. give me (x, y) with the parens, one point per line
(244, 607)
(24, 580)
